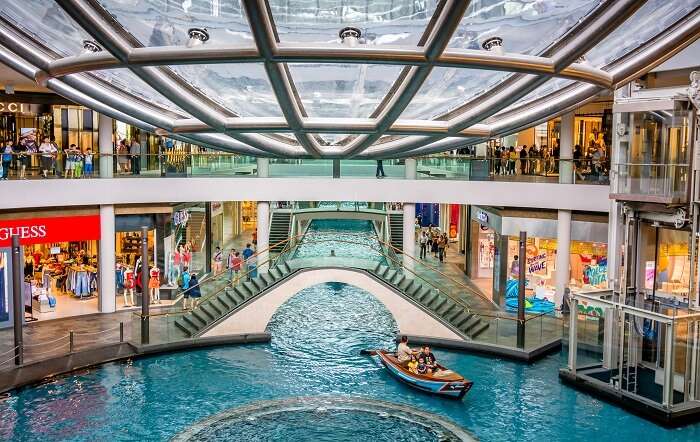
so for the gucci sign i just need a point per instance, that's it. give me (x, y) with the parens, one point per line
(13, 107)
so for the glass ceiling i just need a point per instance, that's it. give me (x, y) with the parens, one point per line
(333, 84)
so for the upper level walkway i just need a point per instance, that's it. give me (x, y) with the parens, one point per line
(229, 178)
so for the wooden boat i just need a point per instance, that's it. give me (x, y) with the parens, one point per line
(444, 382)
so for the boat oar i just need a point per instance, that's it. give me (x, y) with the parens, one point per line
(368, 352)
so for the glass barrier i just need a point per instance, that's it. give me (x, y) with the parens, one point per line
(178, 164)
(667, 181)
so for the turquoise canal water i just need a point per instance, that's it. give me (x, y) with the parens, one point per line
(347, 238)
(315, 351)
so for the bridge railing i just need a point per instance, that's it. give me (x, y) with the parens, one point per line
(502, 328)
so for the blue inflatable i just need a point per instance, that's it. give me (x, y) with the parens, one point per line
(532, 305)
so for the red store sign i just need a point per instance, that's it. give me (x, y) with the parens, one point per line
(50, 230)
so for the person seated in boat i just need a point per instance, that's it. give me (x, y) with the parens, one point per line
(413, 364)
(429, 359)
(403, 351)
(422, 368)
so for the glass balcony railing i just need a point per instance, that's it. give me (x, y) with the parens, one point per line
(178, 164)
(656, 182)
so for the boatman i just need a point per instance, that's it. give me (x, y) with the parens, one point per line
(403, 351)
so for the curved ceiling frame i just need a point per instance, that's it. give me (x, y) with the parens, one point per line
(85, 90)
(633, 65)
(93, 18)
(465, 125)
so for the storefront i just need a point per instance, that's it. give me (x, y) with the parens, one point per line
(665, 264)
(60, 263)
(494, 244)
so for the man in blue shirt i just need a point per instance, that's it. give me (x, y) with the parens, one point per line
(247, 252)
(248, 262)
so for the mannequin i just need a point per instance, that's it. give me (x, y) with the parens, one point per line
(154, 285)
(174, 272)
(129, 284)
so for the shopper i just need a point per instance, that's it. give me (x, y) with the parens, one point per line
(442, 245)
(183, 281)
(524, 169)
(380, 169)
(423, 244)
(122, 157)
(71, 159)
(135, 152)
(87, 168)
(23, 158)
(218, 261)
(512, 158)
(48, 154)
(6, 159)
(195, 292)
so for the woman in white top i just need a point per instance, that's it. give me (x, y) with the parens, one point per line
(48, 153)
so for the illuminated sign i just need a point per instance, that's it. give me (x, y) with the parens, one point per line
(50, 230)
(14, 107)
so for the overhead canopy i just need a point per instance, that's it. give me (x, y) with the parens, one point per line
(279, 78)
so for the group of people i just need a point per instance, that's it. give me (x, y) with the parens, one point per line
(235, 261)
(536, 160)
(78, 163)
(129, 157)
(432, 241)
(420, 361)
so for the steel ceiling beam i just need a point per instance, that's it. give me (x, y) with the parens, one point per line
(264, 35)
(331, 53)
(94, 19)
(655, 52)
(595, 26)
(436, 39)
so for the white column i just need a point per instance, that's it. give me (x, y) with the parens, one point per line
(409, 216)
(104, 138)
(107, 302)
(563, 254)
(263, 221)
(411, 168)
(409, 237)
(143, 141)
(566, 149)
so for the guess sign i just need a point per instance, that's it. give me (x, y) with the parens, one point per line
(49, 230)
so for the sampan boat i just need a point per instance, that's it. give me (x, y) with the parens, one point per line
(444, 382)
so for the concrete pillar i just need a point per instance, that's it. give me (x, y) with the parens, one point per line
(409, 237)
(566, 149)
(411, 168)
(563, 254)
(409, 217)
(107, 302)
(143, 141)
(105, 130)
(263, 221)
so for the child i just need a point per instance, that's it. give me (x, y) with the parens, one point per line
(88, 163)
(413, 364)
(422, 368)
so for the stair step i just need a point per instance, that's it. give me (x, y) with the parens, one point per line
(233, 301)
(405, 284)
(267, 278)
(275, 273)
(238, 294)
(446, 308)
(389, 275)
(258, 283)
(423, 294)
(222, 302)
(182, 325)
(414, 289)
(432, 296)
(398, 279)
(206, 308)
(439, 302)
(461, 319)
(479, 329)
(193, 322)
(202, 315)
(220, 310)
(454, 314)
(470, 324)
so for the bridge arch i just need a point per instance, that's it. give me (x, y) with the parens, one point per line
(254, 317)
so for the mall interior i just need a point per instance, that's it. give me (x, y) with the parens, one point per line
(217, 215)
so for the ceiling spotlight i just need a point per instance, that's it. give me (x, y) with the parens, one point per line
(582, 59)
(198, 36)
(91, 46)
(493, 44)
(350, 35)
